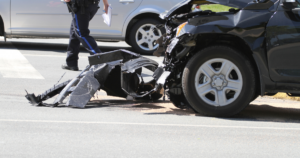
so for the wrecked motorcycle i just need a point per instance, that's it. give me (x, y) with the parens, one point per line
(117, 72)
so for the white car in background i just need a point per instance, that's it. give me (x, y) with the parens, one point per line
(132, 21)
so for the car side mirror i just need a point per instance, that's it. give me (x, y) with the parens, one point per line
(289, 4)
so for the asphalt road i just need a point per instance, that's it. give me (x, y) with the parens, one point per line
(114, 127)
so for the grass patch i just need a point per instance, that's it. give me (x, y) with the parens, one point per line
(215, 8)
(285, 96)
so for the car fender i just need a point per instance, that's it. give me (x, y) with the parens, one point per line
(141, 10)
(248, 26)
(253, 44)
(5, 14)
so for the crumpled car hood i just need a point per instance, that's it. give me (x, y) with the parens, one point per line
(232, 3)
(240, 4)
(173, 10)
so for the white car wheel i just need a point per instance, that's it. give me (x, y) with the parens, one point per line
(143, 36)
(220, 85)
(219, 81)
(146, 37)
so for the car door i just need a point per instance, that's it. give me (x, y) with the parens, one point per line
(283, 45)
(121, 9)
(40, 17)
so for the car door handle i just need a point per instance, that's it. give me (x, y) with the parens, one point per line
(126, 1)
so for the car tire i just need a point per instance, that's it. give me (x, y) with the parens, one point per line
(179, 101)
(225, 81)
(255, 97)
(127, 42)
(141, 31)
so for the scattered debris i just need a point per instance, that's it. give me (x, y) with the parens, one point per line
(117, 72)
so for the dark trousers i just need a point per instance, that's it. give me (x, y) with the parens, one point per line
(80, 33)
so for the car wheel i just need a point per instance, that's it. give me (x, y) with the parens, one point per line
(255, 97)
(219, 81)
(127, 42)
(143, 36)
(180, 102)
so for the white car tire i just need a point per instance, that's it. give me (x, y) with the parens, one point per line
(143, 36)
(219, 81)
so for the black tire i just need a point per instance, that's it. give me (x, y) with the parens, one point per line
(243, 64)
(255, 97)
(180, 102)
(127, 42)
(132, 35)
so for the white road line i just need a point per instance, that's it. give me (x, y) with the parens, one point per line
(148, 124)
(14, 65)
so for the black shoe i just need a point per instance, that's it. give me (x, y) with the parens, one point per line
(65, 66)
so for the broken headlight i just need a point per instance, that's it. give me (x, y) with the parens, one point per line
(183, 29)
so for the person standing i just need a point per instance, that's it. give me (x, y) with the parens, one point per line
(79, 32)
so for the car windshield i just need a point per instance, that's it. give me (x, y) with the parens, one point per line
(232, 3)
(216, 7)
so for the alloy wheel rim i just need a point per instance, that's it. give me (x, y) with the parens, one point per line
(218, 82)
(146, 37)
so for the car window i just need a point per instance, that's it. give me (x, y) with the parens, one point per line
(213, 7)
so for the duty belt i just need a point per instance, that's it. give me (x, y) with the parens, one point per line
(75, 4)
(93, 1)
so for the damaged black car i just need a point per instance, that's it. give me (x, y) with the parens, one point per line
(215, 63)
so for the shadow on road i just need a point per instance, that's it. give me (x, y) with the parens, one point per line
(253, 112)
(269, 113)
(148, 108)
